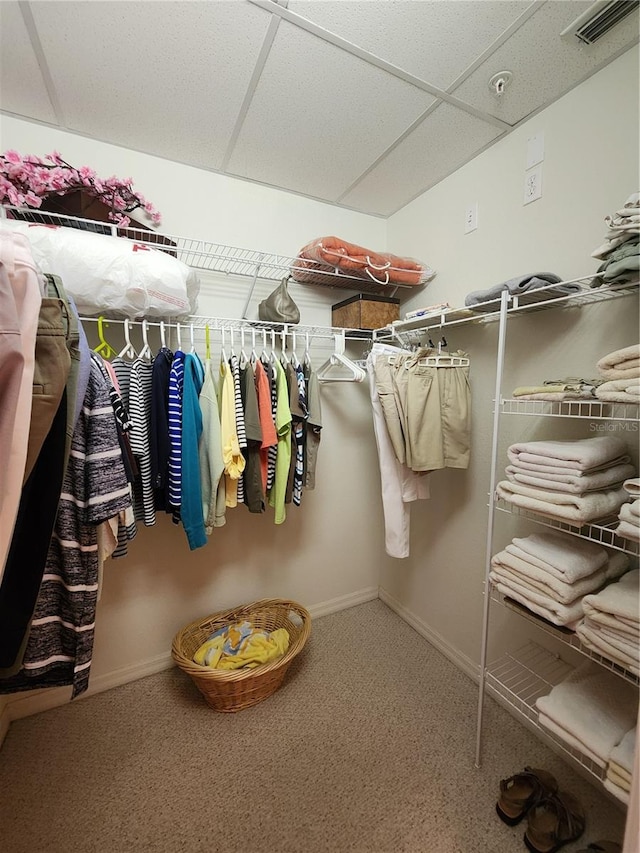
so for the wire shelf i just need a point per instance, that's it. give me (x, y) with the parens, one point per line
(593, 410)
(564, 635)
(519, 678)
(205, 255)
(602, 532)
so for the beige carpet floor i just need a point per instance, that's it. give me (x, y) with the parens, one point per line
(368, 747)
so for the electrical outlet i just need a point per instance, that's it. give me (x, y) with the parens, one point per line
(533, 185)
(471, 218)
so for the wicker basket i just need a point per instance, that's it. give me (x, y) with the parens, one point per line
(230, 691)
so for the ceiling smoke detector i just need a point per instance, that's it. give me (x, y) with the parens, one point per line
(598, 19)
(499, 82)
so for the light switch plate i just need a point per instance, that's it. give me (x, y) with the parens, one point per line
(533, 185)
(535, 150)
(471, 218)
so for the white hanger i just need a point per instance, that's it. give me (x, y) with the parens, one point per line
(307, 354)
(128, 350)
(145, 352)
(244, 359)
(179, 336)
(233, 353)
(327, 373)
(295, 361)
(163, 339)
(193, 346)
(283, 354)
(254, 355)
(443, 359)
(223, 354)
(264, 355)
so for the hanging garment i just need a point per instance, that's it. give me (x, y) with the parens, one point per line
(314, 428)
(269, 437)
(95, 489)
(252, 478)
(84, 364)
(400, 485)
(211, 461)
(176, 381)
(234, 461)
(239, 416)
(273, 451)
(159, 441)
(24, 293)
(140, 414)
(191, 489)
(283, 458)
(299, 414)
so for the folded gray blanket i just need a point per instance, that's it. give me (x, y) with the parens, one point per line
(515, 286)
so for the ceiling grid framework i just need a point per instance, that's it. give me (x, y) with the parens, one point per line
(363, 103)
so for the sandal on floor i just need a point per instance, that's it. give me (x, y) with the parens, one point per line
(554, 822)
(520, 792)
(602, 847)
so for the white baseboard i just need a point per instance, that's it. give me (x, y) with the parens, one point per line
(26, 704)
(455, 656)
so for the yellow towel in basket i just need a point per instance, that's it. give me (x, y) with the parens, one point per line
(242, 645)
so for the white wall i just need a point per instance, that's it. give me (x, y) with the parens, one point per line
(327, 548)
(590, 168)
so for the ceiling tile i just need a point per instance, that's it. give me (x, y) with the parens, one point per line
(446, 139)
(23, 90)
(544, 65)
(319, 116)
(167, 78)
(417, 36)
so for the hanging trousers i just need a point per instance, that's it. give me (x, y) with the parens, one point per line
(23, 289)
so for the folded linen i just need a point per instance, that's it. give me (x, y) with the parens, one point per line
(619, 599)
(512, 569)
(569, 482)
(628, 531)
(617, 791)
(571, 740)
(620, 390)
(558, 473)
(630, 512)
(556, 396)
(565, 615)
(575, 509)
(565, 556)
(617, 778)
(548, 388)
(618, 772)
(623, 754)
(611, 243)
(632, 486)
(624, 643)
(618, 361)
(594, 706)
(585, 454)
(626, 269)
(599, 644)
(519, 284)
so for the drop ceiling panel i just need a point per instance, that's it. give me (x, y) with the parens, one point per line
(319, 116)
(446, 139)
(434, 41)
(168, 78)
(22, 88)
(544, 65)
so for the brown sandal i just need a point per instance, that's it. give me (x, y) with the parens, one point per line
(520, 792)
(554, 822)
(602, 847)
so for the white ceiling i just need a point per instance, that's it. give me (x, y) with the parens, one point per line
(364, 103)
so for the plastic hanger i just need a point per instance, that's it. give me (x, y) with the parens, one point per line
(223, 352)
(254, 355)
(283, 354)
(264, 355)
(307, 355)
(327, 373)
(207, 342)
(104, 348)
(179, 336)
(193, 346)
(233, 352)
(145, 352)
(244, 359)
(443, 358)
(295, 361)
(163, 337)
(272, 354)
(128, 351)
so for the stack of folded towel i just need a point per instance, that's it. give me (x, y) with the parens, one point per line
(591, 711)
(574, 481)
(629, 527)
(620, 251)
(558, 390)
(550, 573)
(621, 372)
(620, 767)
(489, 300)
(611, 625)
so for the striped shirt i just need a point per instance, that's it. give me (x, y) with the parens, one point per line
(176, 384)
(273, 451)
(240, 427)
(299, 434)
(140, 413)
(95, 488)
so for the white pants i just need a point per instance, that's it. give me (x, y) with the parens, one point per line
(400, 485)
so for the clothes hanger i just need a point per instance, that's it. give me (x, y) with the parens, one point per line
(223, 353)
(233, 352)
(264, 355)
(253, 356)
(338, 359)
(244, 359)
(128, 351)
(443, 358)
(163, 337)
(307, 355)
(207, 342)
(104, 348)
(145, 352)
(283, 355)
(179, 336)
(193, 346)
(295, 361)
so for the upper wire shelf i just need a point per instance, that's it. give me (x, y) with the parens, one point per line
(593, 410)
(539, 299)
(206, 255)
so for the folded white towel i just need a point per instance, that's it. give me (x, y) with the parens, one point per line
(568, 557)
(512, 568)
(568, 481)
(617, 779)
(594, 640)
(630, 512)
(617, 791)
(624, 752)
(594, 706)
(562, 734)
(555, 471)
(625, 530)
(632, 486)
(620, 359)
(620, 390)
(587, 455)
(566, 615)
(574, 509)
(620, 599)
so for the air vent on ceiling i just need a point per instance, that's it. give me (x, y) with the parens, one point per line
(599, 19)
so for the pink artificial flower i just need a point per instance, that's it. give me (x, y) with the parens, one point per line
(32, 200)
(56, 158)
(13, 156)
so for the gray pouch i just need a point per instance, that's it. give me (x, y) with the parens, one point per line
(279, 307)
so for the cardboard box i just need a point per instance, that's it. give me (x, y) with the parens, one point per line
(365, 311)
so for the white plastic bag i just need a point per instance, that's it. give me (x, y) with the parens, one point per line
(113, 276)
